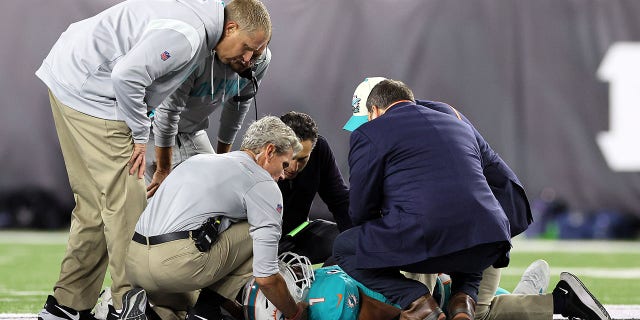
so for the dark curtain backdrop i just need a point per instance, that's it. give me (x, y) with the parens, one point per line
(525, 72)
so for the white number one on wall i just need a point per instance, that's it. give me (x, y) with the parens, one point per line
(621, 144)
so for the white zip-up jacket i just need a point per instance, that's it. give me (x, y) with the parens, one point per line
(130, 57)
(187, 110)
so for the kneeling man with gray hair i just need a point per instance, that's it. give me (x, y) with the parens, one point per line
(214, 222)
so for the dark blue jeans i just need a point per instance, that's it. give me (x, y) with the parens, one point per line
(465, 268)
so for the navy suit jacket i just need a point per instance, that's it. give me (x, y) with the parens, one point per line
(418, 189)
(504, 183)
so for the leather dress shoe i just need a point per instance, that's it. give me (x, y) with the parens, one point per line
(423, 308)
(461, 307)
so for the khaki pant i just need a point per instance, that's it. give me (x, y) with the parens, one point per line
(108, 204)
(428, 279)
(510, 306)
(172, 272)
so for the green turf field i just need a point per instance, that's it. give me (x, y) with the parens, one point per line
(30, 262)
(29, 267)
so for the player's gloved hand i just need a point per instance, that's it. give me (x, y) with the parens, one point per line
(137, 161)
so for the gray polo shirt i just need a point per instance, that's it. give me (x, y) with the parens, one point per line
(230, 185)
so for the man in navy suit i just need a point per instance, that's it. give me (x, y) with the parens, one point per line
(420, 203)
(569, 298)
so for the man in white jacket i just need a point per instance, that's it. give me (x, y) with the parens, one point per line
(179, 124)
(104, 74)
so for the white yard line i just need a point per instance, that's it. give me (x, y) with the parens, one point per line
(606, 273)
(521, 244)
(617, 312)
(16, 293)
(34, 237)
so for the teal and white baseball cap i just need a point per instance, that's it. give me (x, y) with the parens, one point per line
(359, 103)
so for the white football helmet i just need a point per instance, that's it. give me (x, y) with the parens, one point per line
(297, 273)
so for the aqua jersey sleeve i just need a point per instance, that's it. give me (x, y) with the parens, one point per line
(333, 295)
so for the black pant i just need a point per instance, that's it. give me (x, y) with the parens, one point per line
(465, 268)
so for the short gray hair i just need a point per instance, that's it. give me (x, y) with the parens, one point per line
(250, 15)
(272, 130)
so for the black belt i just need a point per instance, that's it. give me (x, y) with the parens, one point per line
(161, 238)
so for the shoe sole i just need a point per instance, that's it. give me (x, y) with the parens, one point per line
(585, 296)
(46, 315)
(131, 302)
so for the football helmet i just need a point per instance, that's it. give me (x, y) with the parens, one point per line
(297, 273)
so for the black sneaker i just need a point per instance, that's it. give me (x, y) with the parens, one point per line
(207, 306)
(134, 303)
(113, 314)
(54, 311)
(579, 302)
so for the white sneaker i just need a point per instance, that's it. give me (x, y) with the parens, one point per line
(101, 310)
(535, 279)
